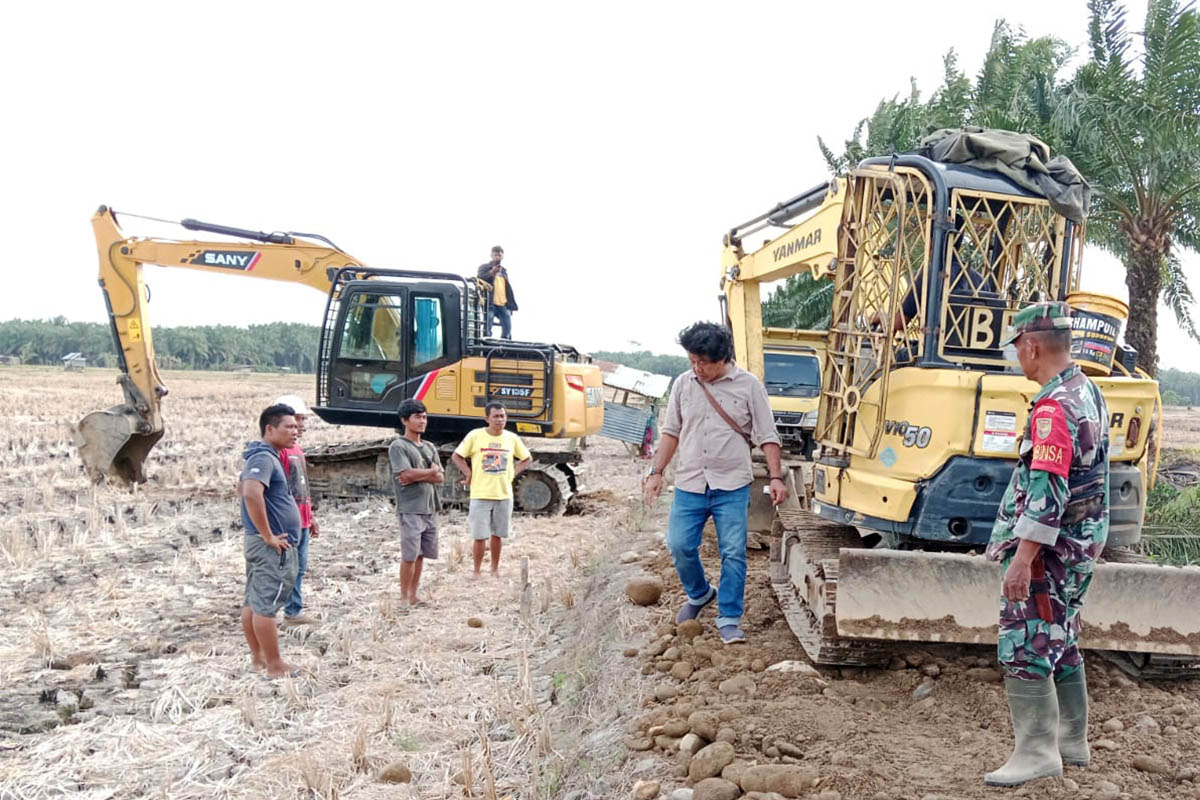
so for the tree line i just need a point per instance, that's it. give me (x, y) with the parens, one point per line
(657, 363)
(1127, 117)
(278, 345)
(1179, 388)
(272, 346)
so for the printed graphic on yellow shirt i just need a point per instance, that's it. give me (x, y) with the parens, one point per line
(493, 462)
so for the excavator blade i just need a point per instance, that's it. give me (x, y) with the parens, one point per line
(114, 443)
(950, 597)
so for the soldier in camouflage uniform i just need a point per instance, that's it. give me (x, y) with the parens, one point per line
(1052, 525)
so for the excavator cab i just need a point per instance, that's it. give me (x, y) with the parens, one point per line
(385, 339)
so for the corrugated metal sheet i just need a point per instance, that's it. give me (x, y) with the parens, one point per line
(625, 423)
(639, 381)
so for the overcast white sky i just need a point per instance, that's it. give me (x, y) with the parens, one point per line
(607, 147)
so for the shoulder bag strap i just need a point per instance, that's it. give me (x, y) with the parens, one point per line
(728, 419)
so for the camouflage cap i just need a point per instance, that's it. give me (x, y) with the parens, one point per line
(1038, 317)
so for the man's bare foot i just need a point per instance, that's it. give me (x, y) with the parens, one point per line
(284, 670)
(474, 576)
(257, 666)
(495, 573)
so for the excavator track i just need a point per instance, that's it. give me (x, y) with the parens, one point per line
(804, 575)
(357, 470)
(544, 487)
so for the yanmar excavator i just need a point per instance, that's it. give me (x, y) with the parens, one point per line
(921, 411)
(387, 335)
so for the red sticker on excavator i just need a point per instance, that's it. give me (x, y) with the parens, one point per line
(1052, 448)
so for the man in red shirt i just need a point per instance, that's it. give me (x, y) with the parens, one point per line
(296, 470)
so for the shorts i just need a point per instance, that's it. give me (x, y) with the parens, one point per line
(418, 536)
(270, 576)
(487, 518)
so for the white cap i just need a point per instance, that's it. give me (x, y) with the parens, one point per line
(295, 402)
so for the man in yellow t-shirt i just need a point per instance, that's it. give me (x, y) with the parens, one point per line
(496, 457)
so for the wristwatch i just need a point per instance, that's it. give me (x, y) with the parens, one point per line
(653, 471)
(777, 478)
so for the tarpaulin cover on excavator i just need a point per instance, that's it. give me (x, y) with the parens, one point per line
(1021, 158)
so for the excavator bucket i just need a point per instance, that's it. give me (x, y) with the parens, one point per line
(951, 597)
(114, 443)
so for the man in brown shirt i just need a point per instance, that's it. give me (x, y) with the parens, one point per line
(713, 474)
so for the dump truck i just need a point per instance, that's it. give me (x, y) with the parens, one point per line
(792, 375)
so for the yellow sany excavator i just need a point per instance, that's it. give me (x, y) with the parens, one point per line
(387, 335)
(921, 411)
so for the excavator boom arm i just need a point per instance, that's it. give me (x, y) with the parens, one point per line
(810, 244)
(116, 441)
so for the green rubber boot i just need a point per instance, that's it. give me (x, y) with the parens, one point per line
(1034, 707)
(1073, 718)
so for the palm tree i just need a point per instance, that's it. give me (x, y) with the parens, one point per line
(800, 303)
(1135, 134)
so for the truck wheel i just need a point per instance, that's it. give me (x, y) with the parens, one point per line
(541, 490)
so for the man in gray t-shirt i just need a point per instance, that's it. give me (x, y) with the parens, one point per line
(417, 473)
(272, 522)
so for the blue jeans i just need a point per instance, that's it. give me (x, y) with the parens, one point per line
(504, 317)
(294, 604)
(689, 512)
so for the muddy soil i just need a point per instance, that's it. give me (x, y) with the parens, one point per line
(928, 726)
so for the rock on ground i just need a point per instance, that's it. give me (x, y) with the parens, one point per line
(716, 789)
(742, 685)
(788, 780)
(645, 590)
(395, 772)
(645, 790)
(1147, 724)
(704, 724)
(1151, 764)
(709, 762)
(681, 671)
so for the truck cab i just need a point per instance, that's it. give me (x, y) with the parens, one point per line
(792, 361)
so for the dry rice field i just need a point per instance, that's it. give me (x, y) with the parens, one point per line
(123, 668)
